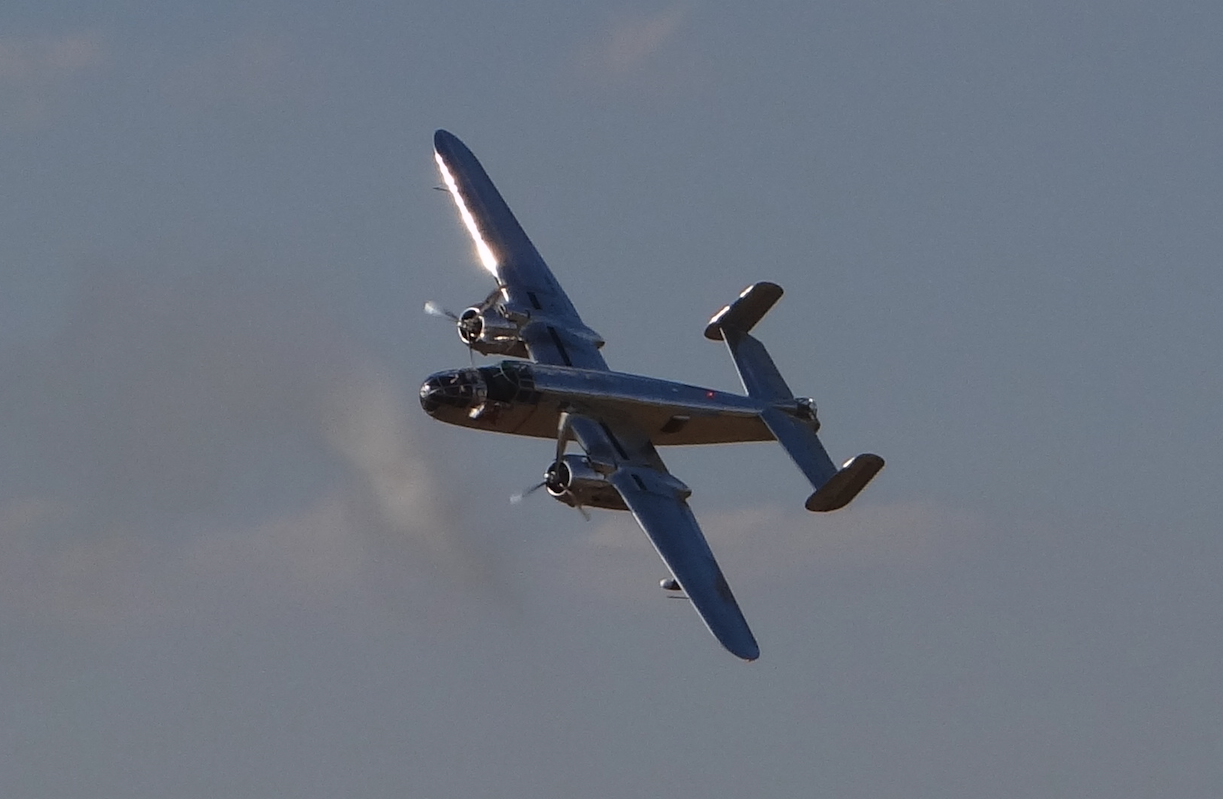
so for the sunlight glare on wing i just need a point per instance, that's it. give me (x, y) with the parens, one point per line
(486, 253)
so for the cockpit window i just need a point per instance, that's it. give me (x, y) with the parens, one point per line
(510, 382)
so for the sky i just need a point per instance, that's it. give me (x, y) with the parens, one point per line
(237, 560)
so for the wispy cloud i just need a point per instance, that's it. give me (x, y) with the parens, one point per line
(633, 47)
(250, 69)
(899, 535)
(404, 482)
(764, 543)
(37, 73)
(192, 436)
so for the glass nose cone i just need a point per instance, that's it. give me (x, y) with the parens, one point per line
(430, 395)
(450, 389)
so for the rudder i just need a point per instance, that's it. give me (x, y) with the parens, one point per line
(760, 376)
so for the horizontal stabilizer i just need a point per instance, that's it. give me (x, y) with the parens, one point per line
(743, 314)
(802, 444)
(834, 488)
(843, 486)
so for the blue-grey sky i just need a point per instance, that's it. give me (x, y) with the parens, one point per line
(237, 560)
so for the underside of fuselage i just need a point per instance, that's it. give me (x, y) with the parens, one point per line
(527, 399)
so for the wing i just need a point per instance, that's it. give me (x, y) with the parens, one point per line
(659, 503)
(554, 332)
(671, 527)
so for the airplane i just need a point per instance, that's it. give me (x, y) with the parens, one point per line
(558, 386)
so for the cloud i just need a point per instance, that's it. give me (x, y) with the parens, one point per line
(766, 543)
(38, 73)
(200, 430)
(39, 62)
(252, 69)
(631, 46)
(197, 433)
(404, 480)
(907, 535)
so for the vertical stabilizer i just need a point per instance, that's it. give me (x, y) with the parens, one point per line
(759, 374)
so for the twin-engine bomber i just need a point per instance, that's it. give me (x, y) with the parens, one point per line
(568, 393)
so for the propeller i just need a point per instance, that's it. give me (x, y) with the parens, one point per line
(564, 432)
(433, 309)
(521, 495)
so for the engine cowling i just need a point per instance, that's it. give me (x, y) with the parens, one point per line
(574, 481)
(487, 331)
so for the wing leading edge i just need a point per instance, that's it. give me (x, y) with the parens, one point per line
(554, 332)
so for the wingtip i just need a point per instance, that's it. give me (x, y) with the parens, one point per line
(746, 651)
(445, 142)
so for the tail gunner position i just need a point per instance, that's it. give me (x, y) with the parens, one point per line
(568, 393)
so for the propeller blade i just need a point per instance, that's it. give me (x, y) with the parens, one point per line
(433, 309)
(564, 429)
(521, 495)
(564, 432)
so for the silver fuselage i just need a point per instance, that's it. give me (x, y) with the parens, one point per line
(526, 399)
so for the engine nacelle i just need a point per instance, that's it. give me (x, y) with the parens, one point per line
(574, 481)
(487, 331)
